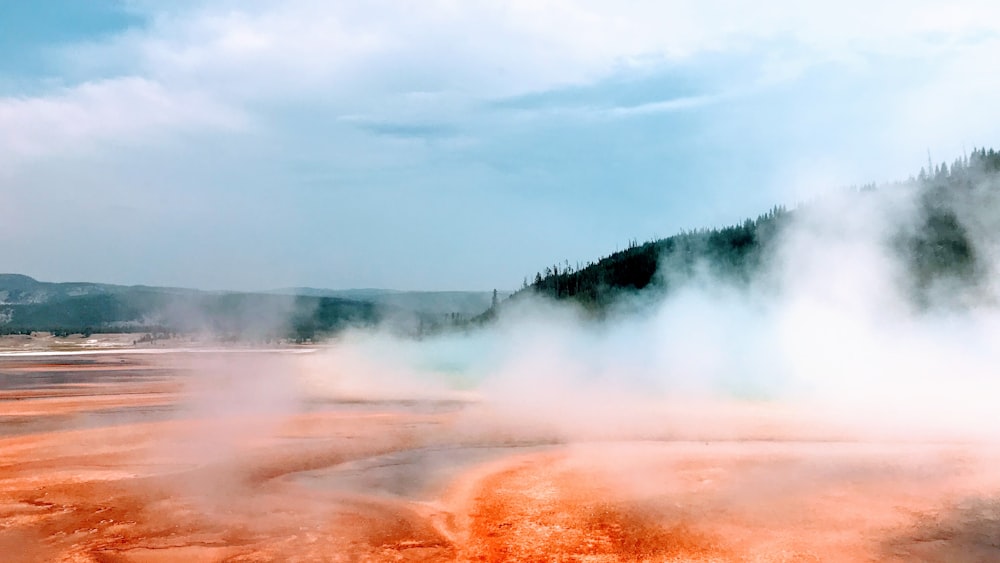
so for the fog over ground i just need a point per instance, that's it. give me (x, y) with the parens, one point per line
(831, 329)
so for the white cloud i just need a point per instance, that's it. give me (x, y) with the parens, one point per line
(124, 110)
(369, 58)
(395, 99)
(957, 107)
(664, 106)
(352, 51)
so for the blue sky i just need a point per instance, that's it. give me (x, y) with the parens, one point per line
(452, 145)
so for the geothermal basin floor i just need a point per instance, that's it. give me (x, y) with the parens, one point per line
(122, 458)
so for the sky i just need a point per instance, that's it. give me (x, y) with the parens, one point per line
(447, 145)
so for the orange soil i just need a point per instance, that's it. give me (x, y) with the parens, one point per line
(26, 367)
(354, 483)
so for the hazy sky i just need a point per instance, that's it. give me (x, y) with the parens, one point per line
(452, 144)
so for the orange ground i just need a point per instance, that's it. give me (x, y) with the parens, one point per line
(143, 462)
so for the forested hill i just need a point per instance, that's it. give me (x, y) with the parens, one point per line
(734, 252)
(938, 247)
(28, 305)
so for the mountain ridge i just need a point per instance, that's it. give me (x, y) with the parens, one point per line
(27, 305)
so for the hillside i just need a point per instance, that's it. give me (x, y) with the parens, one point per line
(30, 305)
(27, 305)
(449, 303)
(938, 247)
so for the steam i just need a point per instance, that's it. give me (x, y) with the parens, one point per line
(829, 333)
(232, 400)
(370, 439)
(831, 340)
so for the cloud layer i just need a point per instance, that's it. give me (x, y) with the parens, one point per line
(411, 134)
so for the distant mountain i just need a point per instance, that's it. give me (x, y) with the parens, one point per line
(459, 303)
(29, 305)
(359, 294)
(17, 289)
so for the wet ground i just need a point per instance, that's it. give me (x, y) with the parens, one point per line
(221, 457)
